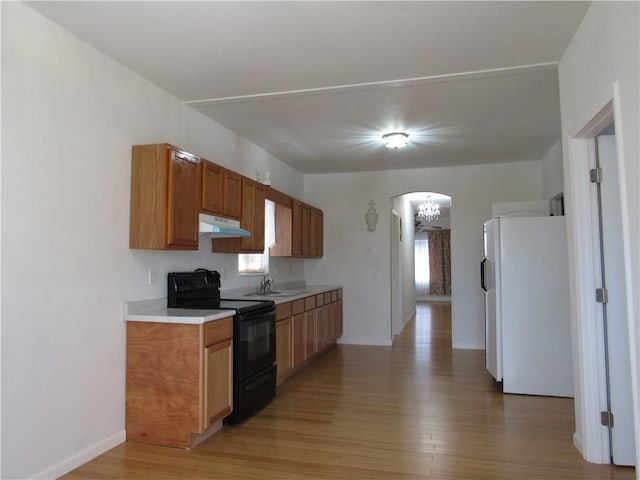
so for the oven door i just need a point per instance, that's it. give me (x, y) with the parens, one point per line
(255, 342)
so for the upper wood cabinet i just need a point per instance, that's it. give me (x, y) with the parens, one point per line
(212, 188)
(221, 191)
(252, 219)
(232, 194)
(299, 231)
(296, 229)
(165, 198)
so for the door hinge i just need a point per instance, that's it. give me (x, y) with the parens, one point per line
(606, 419)
(595, 174)
(602, 295)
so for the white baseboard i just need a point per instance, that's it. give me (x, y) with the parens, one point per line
(577, 442)
(434, 298)
(82, 457)
(467, 346)
(372, 343)
(408, 319)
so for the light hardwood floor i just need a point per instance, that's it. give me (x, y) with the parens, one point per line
(415, 411)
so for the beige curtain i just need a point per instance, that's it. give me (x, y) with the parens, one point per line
(440, 262)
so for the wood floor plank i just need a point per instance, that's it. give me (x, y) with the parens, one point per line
(418, 410)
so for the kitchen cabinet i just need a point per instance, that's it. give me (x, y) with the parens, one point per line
(296, 229)
(218, 374)
(283, 215)
(179, 380)
(313, 232)
(299, 333)
(310, 325)
(221, 191)
(252, 219)
(284, 358)
(319, 241)
(299, 227)
(306, 230)
(165, 198)
(311, 346)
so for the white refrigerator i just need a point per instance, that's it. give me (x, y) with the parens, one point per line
(524, 275)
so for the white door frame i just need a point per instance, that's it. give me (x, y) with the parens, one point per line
(591, 438)
(396, 273)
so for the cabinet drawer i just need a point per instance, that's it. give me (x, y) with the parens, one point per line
(339, 294)
(334, 295)
(297, 306)
(327, 297)
(320, 300)
(218, 331)
(309, 303)
(283, 311)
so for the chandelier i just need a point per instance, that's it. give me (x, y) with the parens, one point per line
(428, 211)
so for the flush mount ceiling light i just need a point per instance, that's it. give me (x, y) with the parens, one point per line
(395, 139)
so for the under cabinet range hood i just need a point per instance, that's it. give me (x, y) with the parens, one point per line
(219, 227)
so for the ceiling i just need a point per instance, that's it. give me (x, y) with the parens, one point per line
(317, 83)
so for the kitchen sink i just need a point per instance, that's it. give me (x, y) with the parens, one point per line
(278, 293)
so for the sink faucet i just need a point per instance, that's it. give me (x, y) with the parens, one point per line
(265, 285)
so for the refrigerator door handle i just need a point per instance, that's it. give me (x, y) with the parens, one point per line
(483, 283)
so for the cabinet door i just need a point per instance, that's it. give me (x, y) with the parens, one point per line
(296, 229)
(257, 229)
(246, 219)
(320, 234)
(299, 339)
(311, 346)
(306, 230)
(252, 216)
(218, 393)
(313, 231)
(283, 348)
(320, 328)
(212, 188)
(183, 200)
(232, 194)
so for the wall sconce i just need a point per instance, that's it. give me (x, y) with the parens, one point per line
(371, 217)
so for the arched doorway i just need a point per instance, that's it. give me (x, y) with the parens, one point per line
(418, 216)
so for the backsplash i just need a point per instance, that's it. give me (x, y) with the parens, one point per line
(161, 262)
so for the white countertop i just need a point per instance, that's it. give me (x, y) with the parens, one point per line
(156, 310)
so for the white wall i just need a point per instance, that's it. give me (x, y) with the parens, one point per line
(69, 118)
(360, 260)
(604, 50)
(552, 172)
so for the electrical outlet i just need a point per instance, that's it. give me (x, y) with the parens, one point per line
(152, 278)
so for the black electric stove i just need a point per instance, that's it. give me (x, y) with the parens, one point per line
(201, 290)
(254, 337)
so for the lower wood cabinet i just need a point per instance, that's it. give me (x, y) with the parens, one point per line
(218, 380)
(179, 380)
(298, 341)
(311, 347)
(305, 328)
(283, 349)
(284, 346)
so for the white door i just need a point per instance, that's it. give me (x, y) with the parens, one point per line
(622, 437)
